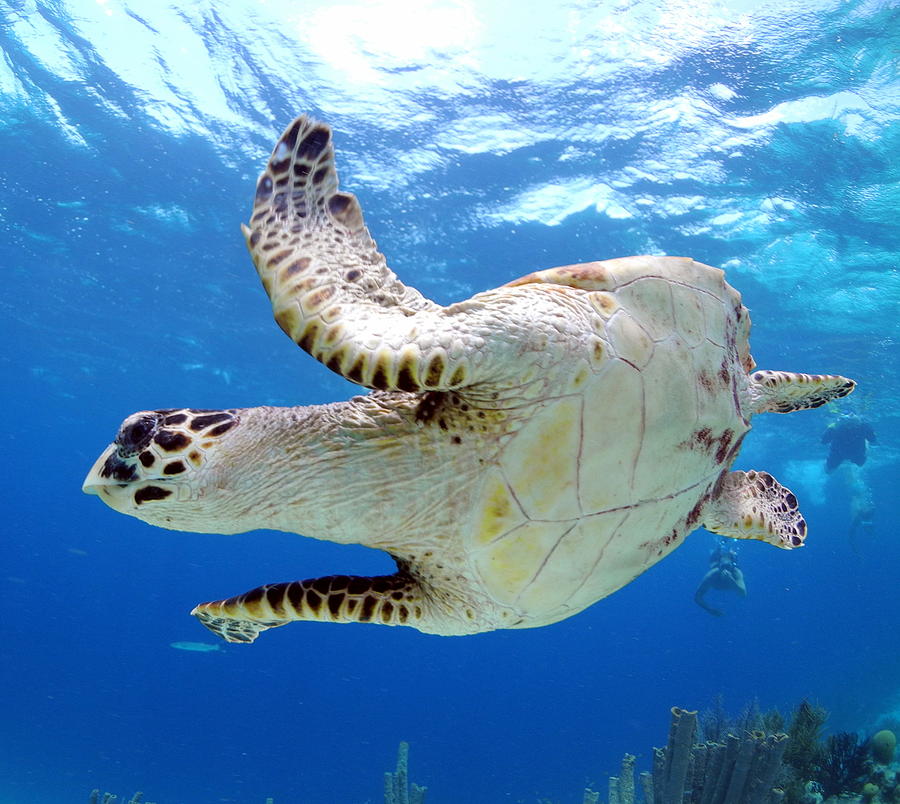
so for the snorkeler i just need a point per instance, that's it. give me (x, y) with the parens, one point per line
(724, 574)
(849, 437)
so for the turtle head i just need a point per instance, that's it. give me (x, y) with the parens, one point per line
(162, 466)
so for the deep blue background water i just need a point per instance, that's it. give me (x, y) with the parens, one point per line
(483, 143)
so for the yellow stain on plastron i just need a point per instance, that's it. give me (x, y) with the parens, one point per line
(497, 511)
(507, 566)
(541, 463)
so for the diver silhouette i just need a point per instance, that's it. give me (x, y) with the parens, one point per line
(724, 574)
(849, 437)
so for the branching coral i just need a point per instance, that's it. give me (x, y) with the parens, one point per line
(843, 764)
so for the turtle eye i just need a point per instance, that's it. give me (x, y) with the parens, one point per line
(136, 433)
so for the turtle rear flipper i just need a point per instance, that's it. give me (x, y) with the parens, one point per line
(787, 391)
(754, 505)
(386, 599)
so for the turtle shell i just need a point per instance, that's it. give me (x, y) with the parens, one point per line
(608, 476)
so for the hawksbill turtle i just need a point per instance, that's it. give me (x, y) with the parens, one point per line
(521, 454)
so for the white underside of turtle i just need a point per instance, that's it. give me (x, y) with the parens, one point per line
(522, 454)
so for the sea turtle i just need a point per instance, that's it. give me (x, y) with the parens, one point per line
(521, 455)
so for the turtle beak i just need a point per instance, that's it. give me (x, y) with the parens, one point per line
(105, 472)
(93, 481)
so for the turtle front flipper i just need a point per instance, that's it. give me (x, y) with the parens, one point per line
(386, 599)
(754, 505)
(331, 290)
(787, 391)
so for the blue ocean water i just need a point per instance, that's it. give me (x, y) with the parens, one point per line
(484, 142)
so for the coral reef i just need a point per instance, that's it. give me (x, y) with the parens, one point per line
(735, 770)
(751, 760)
(883, 744)
(109, 798)
(843, 764)
(396, 785)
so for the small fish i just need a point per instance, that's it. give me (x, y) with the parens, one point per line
(198, 647)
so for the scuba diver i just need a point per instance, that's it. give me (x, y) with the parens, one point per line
(724, 574)
(849, 437)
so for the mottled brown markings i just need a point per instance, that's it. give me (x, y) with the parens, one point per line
(150, 493)
(357, 586)
(334, 603)
(318, 297)
(381, 584)
(459, 376)
(735, 448)
(313, 600)
(352, 275)
(290, 136)
(334, 362)
(171, 441)
(309, 337)
(252, 597)
(694, 516)
(147, 459)
(174, 468)
(301, 171)
(320, 174)
(136, 435)
(202, 422)
(221, 429)
(387, 609)
(275, 598)
(312, 145)
(435, 370)
(322, 585)
(194, 457)
(263, 189)
(296, 267)
(380, 378)
(428, 405)
(403, 614)
(280, 167)
(295, 592)
(176, 418)
(724, 445)
(355, 372)
(339, 203)
(368, 608)
(274, 259)
(406, 376)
